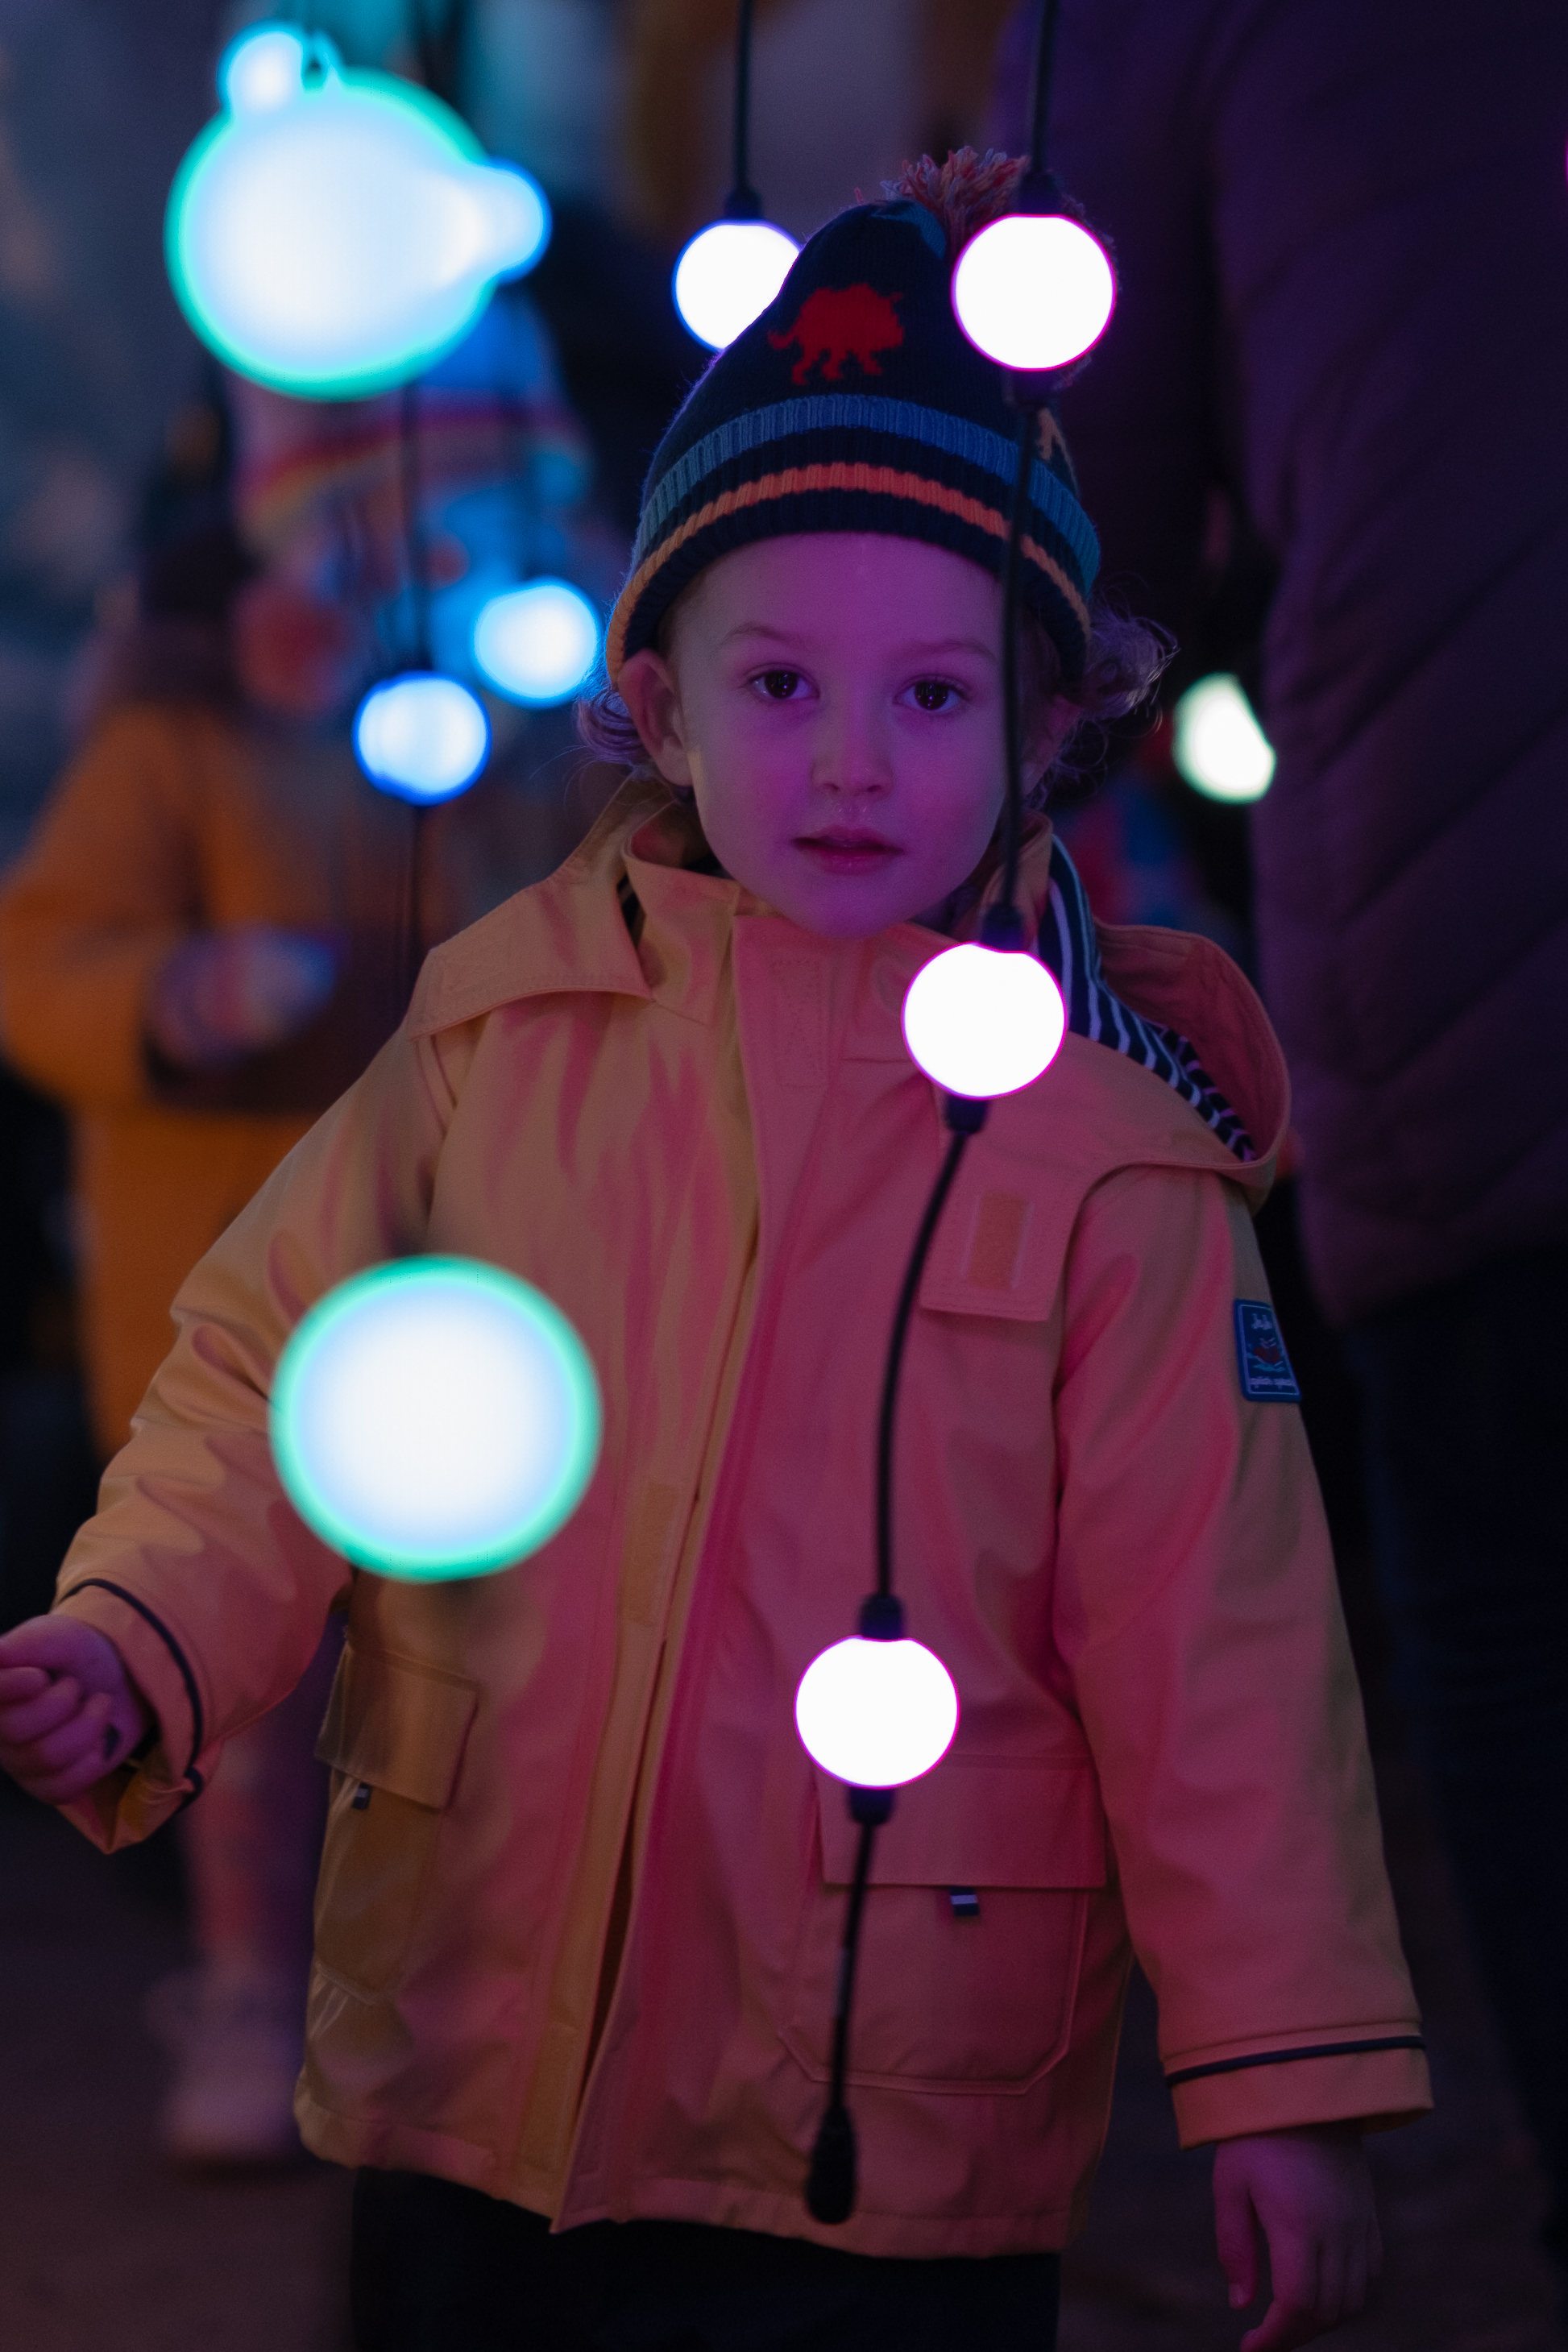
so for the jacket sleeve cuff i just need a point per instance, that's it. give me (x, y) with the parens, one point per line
(129, 1804)
(1371, 2074)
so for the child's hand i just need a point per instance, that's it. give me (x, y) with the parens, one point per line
(1309, 2192)
(69, 1711)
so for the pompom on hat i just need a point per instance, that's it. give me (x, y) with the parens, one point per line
(856, 404)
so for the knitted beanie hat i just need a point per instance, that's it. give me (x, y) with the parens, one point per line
(856, 404)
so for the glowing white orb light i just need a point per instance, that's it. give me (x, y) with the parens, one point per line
(728, 274)
(1217, 743)
(1034, 290)
(982, 1022)
(422, 737)
(876, 1714)
(333, 231)
(537, 644)
(434, 1419)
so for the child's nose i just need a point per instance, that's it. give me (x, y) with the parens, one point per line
(853, 753)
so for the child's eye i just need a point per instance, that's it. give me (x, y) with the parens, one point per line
(779, 685)
(934, 693)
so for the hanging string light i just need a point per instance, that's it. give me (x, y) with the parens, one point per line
(1035, 290)
(880, 1710)
(333, 231)
(731, 270)
(420, 736)
(434, 1419)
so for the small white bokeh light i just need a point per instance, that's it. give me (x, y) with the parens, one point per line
(876, 1714)
(1034, 290)
(1217, 743)
(728, 274)
(983, 1021)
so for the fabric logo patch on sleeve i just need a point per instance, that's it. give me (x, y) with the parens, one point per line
(1266, 1373)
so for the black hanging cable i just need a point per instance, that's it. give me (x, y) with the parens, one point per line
(742, 202)
(891, 1378)
(1045, 70)
(831, 2184)
(832, 2181)
(411, 489)
(411, 501)
(1012, 698)
(438, 47)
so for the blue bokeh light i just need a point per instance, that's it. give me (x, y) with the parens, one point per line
(422, 738)
(333, 231)
(537, 644)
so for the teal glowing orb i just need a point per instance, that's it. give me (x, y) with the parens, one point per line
(537, 644)
(333, 231)
(422, 738)
(434, 1419)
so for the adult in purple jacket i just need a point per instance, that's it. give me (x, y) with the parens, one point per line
(1342, 236)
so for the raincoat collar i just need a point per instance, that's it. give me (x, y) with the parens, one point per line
(631, 913)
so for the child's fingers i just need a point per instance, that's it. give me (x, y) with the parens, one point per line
(1294, 2316)
(17, 1683)
(1235, 2237)
(36, 1717)
(40, 1761)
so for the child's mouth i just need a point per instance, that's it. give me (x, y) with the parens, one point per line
(847, 853)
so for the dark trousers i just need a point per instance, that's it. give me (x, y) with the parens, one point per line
(437, 2268)
(1465, 1392)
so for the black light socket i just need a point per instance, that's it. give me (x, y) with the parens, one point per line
(830, 2187)
(881, 1618)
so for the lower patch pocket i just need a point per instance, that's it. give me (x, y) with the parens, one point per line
(978, 1995)
(394, 1737)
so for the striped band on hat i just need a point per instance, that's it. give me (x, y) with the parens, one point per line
(778, 438)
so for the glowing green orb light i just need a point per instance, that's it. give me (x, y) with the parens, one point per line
(333, 231)
(1217, 743)
(434, 1419)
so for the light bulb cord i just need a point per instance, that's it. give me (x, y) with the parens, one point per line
(832, 2181)
(742, 202)
(888, 1419)
(411, 487)
(413, 955)
(1012, 701)
(830, 2185)
(1045, 69)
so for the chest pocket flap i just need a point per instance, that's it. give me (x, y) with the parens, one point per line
(1002, 1242)
(398, 1725)
(977, 1822)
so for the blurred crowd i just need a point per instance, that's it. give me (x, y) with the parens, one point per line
(209, 920)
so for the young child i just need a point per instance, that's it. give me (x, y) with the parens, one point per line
(583, 1892)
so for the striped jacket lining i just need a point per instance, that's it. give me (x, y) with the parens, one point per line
(1069, 948)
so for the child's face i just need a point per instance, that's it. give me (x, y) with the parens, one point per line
(833, 702)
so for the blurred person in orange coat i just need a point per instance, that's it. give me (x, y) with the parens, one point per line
(215, 926)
